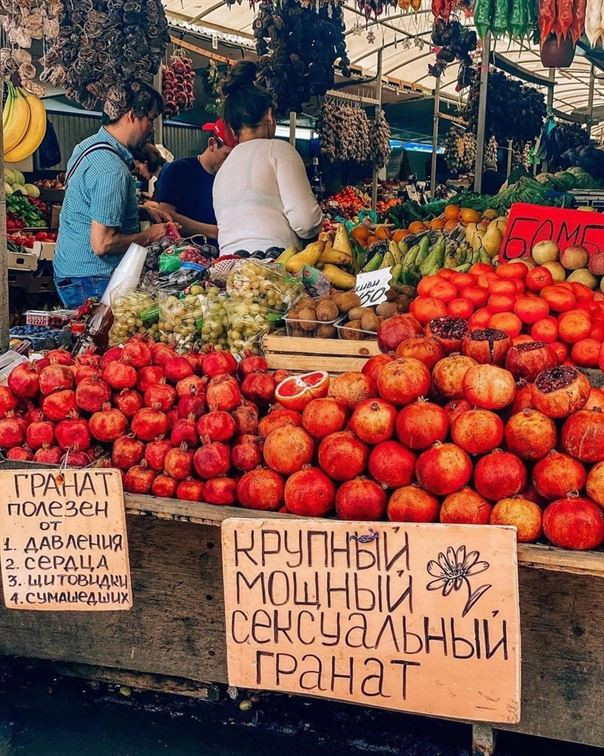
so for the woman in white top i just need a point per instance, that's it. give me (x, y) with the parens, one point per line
(262, 197)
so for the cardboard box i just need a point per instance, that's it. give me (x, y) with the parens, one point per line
(53, 221)
(44, 250)
(24, 261)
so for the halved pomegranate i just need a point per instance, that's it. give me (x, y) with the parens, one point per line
(486, 345)
(560, 391)
(528, 360)
(448, 331)
(297, 391)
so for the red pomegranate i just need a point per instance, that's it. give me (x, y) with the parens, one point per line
(489, 387)
(448, 376)
(161, 396)
(595, 484)
(75, 459)
(73, 434)
(420, 424)
(342, 455)
(524, 397)
(465, 507)
(396, 329)
(120, 375)
(412, 504)
(20, 454)
(55, 378)
(530, 434)
(164, 486)
(192, 384)
(403, 381)
(324, 416)
(287, 450)
(23, 381)
(161, 352)
(8, 402)
(58, 356)
(443, 469)
(448, 331)
(191, 405)
(148, 376)
(178, 462)
(108, 424)
(529, 359)
(137, 353)
(391, 464)
(246, 456)
(258, 387)
(90, 359)
(59, 405)
(223, 393)
(184, 430)
(281, 374)
(374, 364)
(454, 409)
(246, 418)
(139, 479)
(155, 453)
(149, 424)
(40, 433)
(11, 433)
(522, 513)
(49, 455)
(85, 372)
(278, 418)
(128, 401)
(309, 493)
(217, 426)
(218, 363)
(360, 499)
(422, 348)
(595, 400)
(190, 490)
(560, 391)
(221, 491)
(477, 431)
(252, 363)
(351, 388)
(486, 346)
(91, 394)
(499, 475)
(113, 353)
(574, 523)
(212, 460)
(372, 421)
(583, 435)
(176, 368)
(261, 489)
(557, 474)
(194, 359)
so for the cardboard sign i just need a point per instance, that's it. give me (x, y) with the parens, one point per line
(529, 224)
(63, 543)
(372, 287)
(412, 617)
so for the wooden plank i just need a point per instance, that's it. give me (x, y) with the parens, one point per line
(296, 345)
(306, 363)
(541, 557)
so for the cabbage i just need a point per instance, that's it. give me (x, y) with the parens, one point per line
(19, 177)
(9, 176)
(31, 190)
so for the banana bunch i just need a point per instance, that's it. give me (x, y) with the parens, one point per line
(23, 124)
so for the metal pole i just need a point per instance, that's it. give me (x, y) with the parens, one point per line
(4, 305)
(510, 153)
(550, 105)
(590, 99)
(435, 138)
(292, 128)
(158, 134)
(482, 112)
(378, 107)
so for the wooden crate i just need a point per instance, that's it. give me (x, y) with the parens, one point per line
(306, 354)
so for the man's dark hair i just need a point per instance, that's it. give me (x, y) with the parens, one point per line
(138, 97)
(150, 155)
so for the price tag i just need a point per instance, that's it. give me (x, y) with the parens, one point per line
(372, 287)
(412, 193)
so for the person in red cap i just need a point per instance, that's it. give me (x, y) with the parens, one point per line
(184, 188)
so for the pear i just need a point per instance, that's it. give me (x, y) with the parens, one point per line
(342, 241)
(491, 241)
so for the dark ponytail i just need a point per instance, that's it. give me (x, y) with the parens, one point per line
(245, 103)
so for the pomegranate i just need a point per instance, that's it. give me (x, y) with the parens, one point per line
(155, 453)
(412, 504)
(499, 475)
(73, 434)
(178, 462)
(287, 450)
(465, 507)
(324, 416)
(148, 376)
(75, 458)
(574, 523)
(448, 376)
(443, 469)
(486, 346)
(403, 381)
(396, 329)
(372, 420)
(120, 375)
(420, 424)
(8, 401)
(23, 381)
(342, 455)
(11, 433)
(583, 435)
(522, 513)
(223, 393)
(194, 359)
(49, 455)
(595, 484)
(560, 391)
(557, 474)
(252, 363)
(258, 387)
(529, 359)
(137, 353)
(40, 433)
(260, 489)
(218, 363)
(128, 401)
(477, 431)
(217, 426)
(90, 359)
(161, 396)
(391, 464)
(222, 491)
(160, 353)
(296, 391)
(246, 418)
(164, 486)
(278, 418)
(192, 384)
(190, 490)
(351, 388)
(59, 356)
(374, 364)
(148, 424)
(595, 400)
(422, 348)
(59, 405)
(20, 454)
(530, 434)
(191, 405)
(112, 354)
(212, 459)
(184, 430)
(91, 394)
(454, 409)
(85, 372)
(524, 397)
(32, 413)
(139, 479)
(246, 456)
(55, 378)
(309, 493)
(176, 368)
(108, 424)
(280, 375)
(360, 499)
(489, 387)
(448, 331)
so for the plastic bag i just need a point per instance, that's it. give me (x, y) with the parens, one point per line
(181, 317)
(215, 325)
(127, 274)
(248, 322)
(265, 284)
(134, 312)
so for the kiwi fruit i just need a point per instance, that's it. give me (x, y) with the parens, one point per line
(353, 331)
(327, 310)
(325, 331)
(308, 317)
(402, 304)
(357, 312)
(347, 300)
(408, 291)
(370, 322)
(386, 309)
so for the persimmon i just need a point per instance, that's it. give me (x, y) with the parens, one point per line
(530, 308)
(574, 326)
(479, 269)
(463, 279)
(416, 227)
(424, 286)
(500, 303)
(502, 286)
(450, 225)
(581, 291)
(506, 322)
(559, 298)
(446, 273)
(476, 294)
(437, 223)
(586, 352)
(597, 330)
(361, 233)
(452, 212)
(426, 309)
(484, 280)
(443, 290)
(545, 330)
(382, 233)
(480, 318)
(560, 350)
(512, 270)
(460, 308)
(538, 278)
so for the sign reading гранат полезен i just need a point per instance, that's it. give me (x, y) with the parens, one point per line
(63, 543)
(413, 617)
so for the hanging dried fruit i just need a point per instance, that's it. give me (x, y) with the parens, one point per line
(178, 79)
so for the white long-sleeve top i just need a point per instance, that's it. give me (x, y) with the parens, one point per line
(262, 198)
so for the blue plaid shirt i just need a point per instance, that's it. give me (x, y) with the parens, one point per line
(103, 190)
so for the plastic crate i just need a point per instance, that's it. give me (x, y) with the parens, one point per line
(358, 333)
(307, 328)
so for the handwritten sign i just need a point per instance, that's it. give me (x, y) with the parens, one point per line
(529, 224)
(372, 287)
(63, 542)
(413, 617)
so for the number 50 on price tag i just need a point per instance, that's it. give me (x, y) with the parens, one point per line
(372, 287)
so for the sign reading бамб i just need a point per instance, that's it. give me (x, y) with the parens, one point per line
(63, 542)
(414, 617)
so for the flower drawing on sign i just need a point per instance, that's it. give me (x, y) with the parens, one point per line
(452, 572)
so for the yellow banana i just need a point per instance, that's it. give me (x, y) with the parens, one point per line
(18, 125)
(35, 132)
(8, 106)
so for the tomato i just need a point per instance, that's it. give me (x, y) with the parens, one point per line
(484, 280)
(586, 352)
(538, 277)
(530, 308)
(523, 338)
(501, 286)
(545, 330)
(582, 292)
(560, 349)
(480, 318)
(597, 330)
(574, 326)
(463, 279)
(424, 286)
(559, 298)
(476, 294)
(501, 303)
(506, 322)
(520, 285)
(443, 290)
(511, 270)
(446, 273)
(427, 308)
(480, 268)
(460, 308)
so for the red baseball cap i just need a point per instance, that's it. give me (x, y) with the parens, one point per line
(222, 131)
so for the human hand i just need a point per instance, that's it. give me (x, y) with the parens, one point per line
(155, 214)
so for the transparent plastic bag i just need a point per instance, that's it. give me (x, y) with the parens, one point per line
(249, 321)
(181, 318)
(265, 284)
(134, 312)
(215, 326)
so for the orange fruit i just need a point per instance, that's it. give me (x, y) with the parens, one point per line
(468, 215)
(382, 233)
(450, 225)
(399, 235)
(437, 223)
(451, 212)
(360, 233)
(416, 227)
(371, 240)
